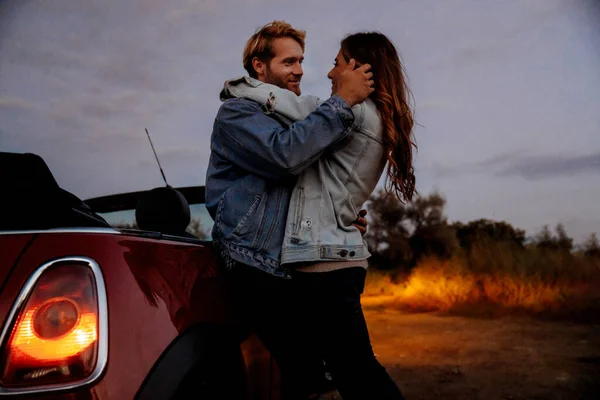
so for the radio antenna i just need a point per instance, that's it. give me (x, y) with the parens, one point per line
(155, 156)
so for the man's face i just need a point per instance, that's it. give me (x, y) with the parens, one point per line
(285, 69)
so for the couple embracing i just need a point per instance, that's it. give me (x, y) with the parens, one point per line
(287, 176)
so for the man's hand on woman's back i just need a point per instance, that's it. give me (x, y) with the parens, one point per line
(361, 222)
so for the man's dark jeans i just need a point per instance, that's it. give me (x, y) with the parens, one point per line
(267, 306)
(311, 318)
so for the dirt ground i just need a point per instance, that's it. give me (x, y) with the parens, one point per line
(442, 357)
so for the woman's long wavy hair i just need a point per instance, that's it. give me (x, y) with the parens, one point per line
(391, 98)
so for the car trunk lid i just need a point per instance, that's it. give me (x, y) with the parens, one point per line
(12, 245)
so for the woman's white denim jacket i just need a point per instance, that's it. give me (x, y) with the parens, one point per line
(329, 194)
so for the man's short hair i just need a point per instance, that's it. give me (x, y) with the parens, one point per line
(261, 43)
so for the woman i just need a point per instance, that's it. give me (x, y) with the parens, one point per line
(325, 252)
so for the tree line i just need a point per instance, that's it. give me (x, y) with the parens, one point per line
(401, 235)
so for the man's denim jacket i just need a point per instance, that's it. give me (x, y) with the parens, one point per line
(255, 158)
(329, 193)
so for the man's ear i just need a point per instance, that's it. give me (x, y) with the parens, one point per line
(259, 66)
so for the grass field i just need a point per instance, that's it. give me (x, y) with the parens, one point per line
(457, 287)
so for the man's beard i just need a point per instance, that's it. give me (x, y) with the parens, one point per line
(275, 80)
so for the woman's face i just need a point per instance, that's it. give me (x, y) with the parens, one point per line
(338, 66)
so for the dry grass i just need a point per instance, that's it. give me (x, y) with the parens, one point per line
(457, 286)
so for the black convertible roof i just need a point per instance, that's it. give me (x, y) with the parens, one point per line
(128, 201)
(32, 199)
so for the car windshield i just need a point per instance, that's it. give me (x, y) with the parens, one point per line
(200, 223)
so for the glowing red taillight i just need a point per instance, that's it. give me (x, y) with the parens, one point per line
(56, 327)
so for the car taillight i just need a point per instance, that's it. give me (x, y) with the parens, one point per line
(57, 334)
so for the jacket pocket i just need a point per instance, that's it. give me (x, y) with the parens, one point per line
(242, 226)
(298, 210)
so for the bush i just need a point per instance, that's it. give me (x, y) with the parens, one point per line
(480, 267)
(496, 279)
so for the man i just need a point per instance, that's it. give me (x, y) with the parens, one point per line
(254, 160)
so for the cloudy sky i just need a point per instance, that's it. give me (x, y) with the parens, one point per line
(507, 92)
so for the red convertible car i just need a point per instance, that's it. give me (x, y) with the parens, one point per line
(112, 298)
